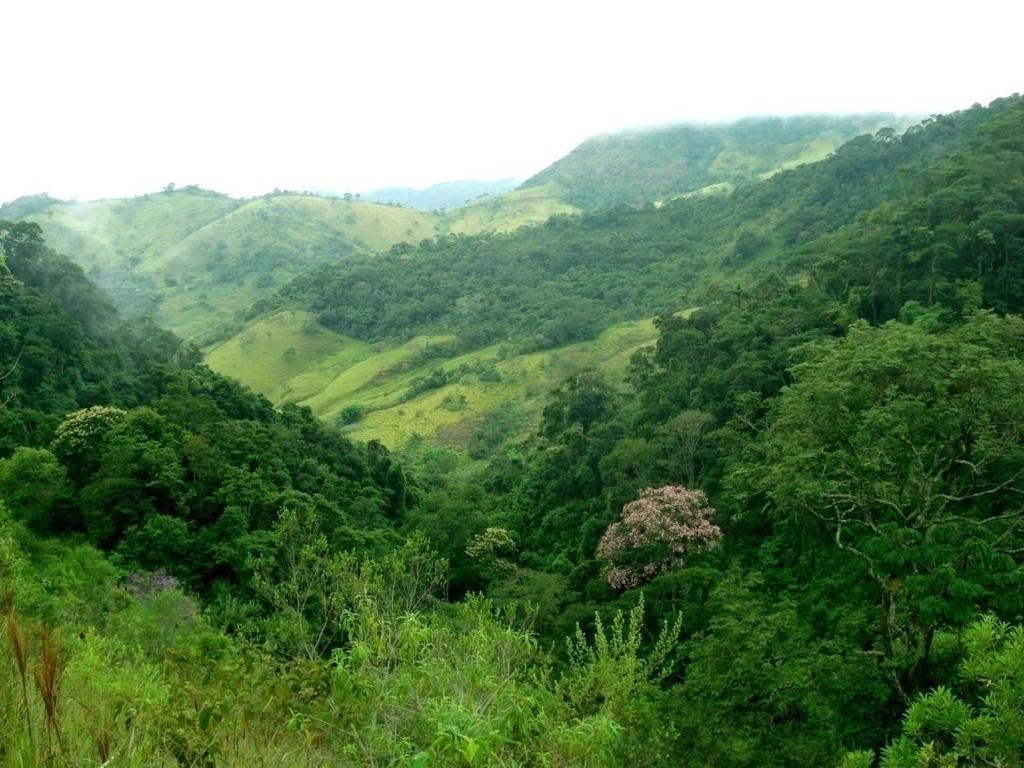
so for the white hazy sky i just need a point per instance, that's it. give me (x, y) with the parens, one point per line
(119, 98)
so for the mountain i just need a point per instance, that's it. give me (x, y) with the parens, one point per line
(193, 258)
(443, 331)
(776, 526)
(638, 167)
(447, 194)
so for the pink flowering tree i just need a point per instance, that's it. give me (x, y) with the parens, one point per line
(656, 533)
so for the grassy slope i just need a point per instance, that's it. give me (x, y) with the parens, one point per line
(234, 260)
(509, 211)
(380, 371)
(297, 222)
(329, 372)
(449, 415)
(276, 349)
(193, 258)
(109, 234)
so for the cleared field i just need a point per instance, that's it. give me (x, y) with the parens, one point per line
(503, 213)
(410, 391)
(381, 372)
(277, 348)
(491, 384)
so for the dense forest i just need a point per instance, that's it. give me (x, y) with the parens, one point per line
(792, 538)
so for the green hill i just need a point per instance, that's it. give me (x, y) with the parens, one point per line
(227, 264)
(193, 258)
(399, 392)
(549, 292)
(647, 166)
(655, 165)
(509, 211)
(776, 526)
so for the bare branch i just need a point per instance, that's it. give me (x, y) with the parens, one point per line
(1005, 485)
(14, 365)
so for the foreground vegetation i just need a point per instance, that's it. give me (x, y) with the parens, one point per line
(789, 535)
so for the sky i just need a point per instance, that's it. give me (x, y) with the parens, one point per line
(110, 99)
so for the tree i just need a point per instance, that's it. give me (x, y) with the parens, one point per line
(35, 487)
(78, 441)
(982, 727)
(656, 533)
(583, 399)
(905, 448)
(683, 436)
(762, 690)
(307, 586)
(491, 550)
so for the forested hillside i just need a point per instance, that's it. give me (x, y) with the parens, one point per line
(788, 532)
(857, 433)
(526, 301)
(638, 167)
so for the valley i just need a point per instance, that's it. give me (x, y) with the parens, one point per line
(194, 259)
(420, 390)
(701, 447)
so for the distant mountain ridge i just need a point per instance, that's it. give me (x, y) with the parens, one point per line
(446, 194)
(195, 259)
(192, 258)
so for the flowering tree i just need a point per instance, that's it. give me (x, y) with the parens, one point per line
(78, 441)
(492, 550)
(656, 533)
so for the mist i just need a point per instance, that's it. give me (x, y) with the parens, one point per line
(113, 99)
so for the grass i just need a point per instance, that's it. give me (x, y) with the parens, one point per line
(291, 358)
(227, 264)
(195, 258)
(277, 348)
(449, 415)
(295, 224)
(109, 234)
(317, 376)
(816, 150)
(381, 371)
(503, 213)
